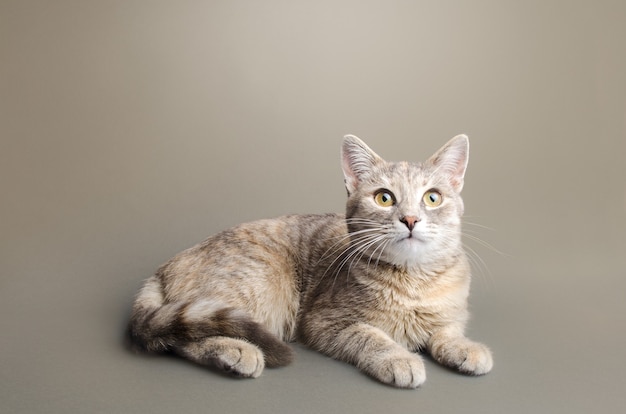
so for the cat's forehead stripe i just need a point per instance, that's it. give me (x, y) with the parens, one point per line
(404, 172)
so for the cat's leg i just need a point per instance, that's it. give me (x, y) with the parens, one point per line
(231, 355)
(373, 352)
(451, 348)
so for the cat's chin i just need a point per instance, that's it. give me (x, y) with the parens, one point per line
(408, 251)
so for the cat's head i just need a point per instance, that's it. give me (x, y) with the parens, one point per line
(405, 213)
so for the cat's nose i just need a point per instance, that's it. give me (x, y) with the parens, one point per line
(410, 221)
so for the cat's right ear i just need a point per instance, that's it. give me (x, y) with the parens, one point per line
(357, 160)
(451, 160)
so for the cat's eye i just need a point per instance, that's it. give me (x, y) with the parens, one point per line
(384, 198)
(433, 198)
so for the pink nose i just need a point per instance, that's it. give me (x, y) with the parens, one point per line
(410, 221)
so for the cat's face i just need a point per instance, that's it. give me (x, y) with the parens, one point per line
(406, 214)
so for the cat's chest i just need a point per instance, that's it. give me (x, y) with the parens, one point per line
(410, 318)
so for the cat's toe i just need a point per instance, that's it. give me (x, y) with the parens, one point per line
(468, 357)
(402, 372)
(243, 361)
(477, 360)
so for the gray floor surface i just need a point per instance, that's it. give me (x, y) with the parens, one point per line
(133, 129)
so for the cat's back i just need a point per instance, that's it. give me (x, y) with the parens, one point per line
(272, 252)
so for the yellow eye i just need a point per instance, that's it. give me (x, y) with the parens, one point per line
(433, 198)
(384, 198)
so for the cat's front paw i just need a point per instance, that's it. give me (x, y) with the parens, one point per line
(468, 357)
(406, 371)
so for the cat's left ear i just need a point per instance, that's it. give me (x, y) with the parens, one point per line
(357, 161)
(451, 161)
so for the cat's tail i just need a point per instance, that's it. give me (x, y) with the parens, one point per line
(157, 326)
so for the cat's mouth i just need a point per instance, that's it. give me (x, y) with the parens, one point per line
(413, 238)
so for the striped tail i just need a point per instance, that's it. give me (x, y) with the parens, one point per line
(157, 326)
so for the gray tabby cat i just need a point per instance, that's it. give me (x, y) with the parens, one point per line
(371, 288)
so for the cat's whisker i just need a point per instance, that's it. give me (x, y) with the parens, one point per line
(348, 234)
(361, 220)
(369, 261)
(356, 249)
(359, 245)
(472, 255)
(342, 226)
(351, 249)
(477, 261)
(363, 236)
(465, 222)
(479, 264)
(483, 243)
(332, 250)
(384, 247)
(363, 245)
(364, 249)
(345, 257)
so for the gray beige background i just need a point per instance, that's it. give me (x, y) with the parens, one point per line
(133, 129)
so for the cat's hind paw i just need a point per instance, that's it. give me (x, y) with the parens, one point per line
(234, 356)
(245, 360)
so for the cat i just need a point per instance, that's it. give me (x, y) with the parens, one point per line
(371, 288)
